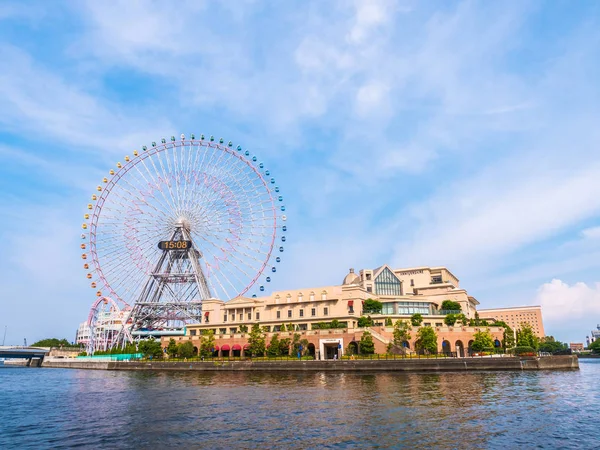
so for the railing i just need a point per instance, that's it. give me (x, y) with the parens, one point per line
(445, 312)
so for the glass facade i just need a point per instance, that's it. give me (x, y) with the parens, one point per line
(405, 308)
(413, 308)
(386, 283)
(388, 308)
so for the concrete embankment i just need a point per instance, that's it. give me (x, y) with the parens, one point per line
(399, 365)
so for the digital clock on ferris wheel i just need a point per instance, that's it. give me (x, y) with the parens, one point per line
(174, 245)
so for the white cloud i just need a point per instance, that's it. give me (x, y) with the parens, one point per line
(564, 306)
(372, 98)
(591, 233)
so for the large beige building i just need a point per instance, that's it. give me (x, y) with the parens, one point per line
(517, 315)
(403, 293)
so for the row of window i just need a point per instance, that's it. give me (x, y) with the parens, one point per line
(241, 317)
(313, 313)
(405, 308)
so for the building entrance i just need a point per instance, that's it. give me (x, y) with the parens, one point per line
(331, 351)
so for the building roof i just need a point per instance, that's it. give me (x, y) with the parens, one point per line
(351, 278)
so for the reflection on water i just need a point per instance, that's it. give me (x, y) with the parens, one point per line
(54, 408)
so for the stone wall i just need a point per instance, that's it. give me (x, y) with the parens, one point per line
(400, 365)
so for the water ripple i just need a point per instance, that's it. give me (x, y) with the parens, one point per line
(54, 408)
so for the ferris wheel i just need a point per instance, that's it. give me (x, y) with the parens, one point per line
(183, 221)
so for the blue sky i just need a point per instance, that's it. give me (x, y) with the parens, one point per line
(441, 133)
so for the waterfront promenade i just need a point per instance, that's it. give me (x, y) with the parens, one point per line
(359, 365)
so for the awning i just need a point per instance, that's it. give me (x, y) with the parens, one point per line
(216, 348)
(206, 313)
(246, 346)
(351, 303)
(236, 347)
(225, 347)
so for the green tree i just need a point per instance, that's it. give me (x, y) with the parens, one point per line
(365, 322)
(243, 328)
(482, 340)
(388, 322)
(291, 327)
(256, 341)
(526, 337)
(52, 342)
(595, 346)
(450, 305)
(366, 344)
(450, 319)
(284, 346)
(550, 345)
(462, 319)
(426, 340)
(185, 349)
(207, 344)
(371, 306)
(151, 348)
(282, 328)
(295, 344)
(416, 320)
(508, 338)
(172, 348)
(273, 348)
(401, 332)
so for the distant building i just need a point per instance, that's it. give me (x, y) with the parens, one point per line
(576, 346)
(515, 316)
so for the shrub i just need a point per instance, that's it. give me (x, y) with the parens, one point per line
(524, 351)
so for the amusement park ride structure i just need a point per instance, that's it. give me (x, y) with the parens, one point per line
(178, 223)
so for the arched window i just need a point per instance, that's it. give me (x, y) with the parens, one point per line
(312, 296)
(324, 295)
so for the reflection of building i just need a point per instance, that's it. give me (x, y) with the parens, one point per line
(312, 311)
(576, 346)
(515, 316)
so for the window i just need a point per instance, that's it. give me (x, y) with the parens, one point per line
(369, 289)
(325, 311)
(301, 313)
(232, 330)
(312, 296)
(225, 318)
(368, 276)
(437, 279)
(257, 316)
(387, 283)
(289, 313)
(279, 314)
(242, 316)
(410, 308)
(250, 316)
(427, 324)
(324, 295)
(193, 332)
(313, 312)
(439, 324)
(222, 330)
(412, 282)
(267, 329)
(388, 308)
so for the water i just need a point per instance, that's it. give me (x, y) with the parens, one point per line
(60, 408)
